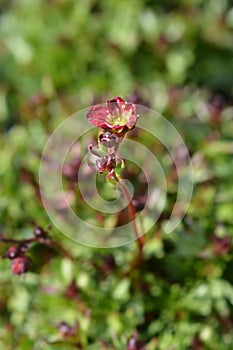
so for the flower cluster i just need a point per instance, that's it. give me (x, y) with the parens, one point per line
(17, 252)
(20, 262)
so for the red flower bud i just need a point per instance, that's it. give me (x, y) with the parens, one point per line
(38, 231)
(41, 235)
(108, 139)
(20, 265)
(12, 252)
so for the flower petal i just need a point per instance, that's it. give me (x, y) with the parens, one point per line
(115, 105)
(97, 115)
(132, 121)
(130, 108)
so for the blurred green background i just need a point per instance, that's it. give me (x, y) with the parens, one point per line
(176, 56)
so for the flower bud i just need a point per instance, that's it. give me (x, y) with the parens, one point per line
(20, 265)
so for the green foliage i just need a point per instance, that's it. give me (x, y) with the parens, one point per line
(60, 56)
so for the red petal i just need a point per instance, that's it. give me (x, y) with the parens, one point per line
(132, 121)
(130, 107)
(114, 105)
(97, 116)
(119, 100)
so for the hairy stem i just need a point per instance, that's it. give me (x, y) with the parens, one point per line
(132, 216)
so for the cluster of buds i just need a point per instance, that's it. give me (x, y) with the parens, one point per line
(113, 120)
(20, 262)
(17, 252)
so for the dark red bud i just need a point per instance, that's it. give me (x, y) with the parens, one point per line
(12, 252)
(41, 235)
(23, 248)
(108, 139)
(38, 231)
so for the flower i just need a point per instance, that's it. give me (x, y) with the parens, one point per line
(117, 117)
(20, 265)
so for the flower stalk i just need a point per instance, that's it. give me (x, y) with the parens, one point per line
(114, 120)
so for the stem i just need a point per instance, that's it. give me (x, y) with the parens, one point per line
(132, 215)
(16, 241)
(54, 244)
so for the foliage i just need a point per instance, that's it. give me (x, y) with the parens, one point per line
(59, 56)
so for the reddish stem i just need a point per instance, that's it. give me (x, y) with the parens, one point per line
(132, 216)
(16, 241)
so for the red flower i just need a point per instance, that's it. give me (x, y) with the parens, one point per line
(20, 265)
(118, 116)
